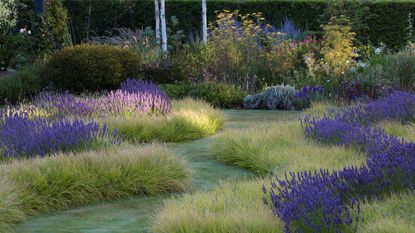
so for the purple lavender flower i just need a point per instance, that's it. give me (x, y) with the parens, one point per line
(323, 201)
(23, 135)
(135, 97)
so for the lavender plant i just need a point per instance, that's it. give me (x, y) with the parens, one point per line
(134, 98)
(324, 201)
(22, 135)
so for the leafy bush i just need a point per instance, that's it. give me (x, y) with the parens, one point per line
(8, 41)
(161, 72)
(90, 68)
(176, 91)
(23, 85)
(276, 97)
(218, 94)
(337, 47)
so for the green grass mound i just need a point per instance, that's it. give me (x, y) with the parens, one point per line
(404, 131)
(395, 214)
(230, 207)
(190, 119)
(67, 180)
(279, 147)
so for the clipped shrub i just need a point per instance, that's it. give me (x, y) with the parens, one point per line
(91, 68)
(275, 97)
(24, 84)
(218, 94)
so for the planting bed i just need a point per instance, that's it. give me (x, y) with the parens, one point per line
(133, 215)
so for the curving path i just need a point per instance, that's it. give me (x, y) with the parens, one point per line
(132, 215)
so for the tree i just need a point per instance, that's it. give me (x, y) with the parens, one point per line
(204, 22)
(157, 16)
(163, 26)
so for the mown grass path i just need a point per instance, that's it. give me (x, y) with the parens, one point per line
(132, 215)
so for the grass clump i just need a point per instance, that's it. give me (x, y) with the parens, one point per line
(67, 180)
(230, 207)
(279, 147)
(395, 214)
(11, 208)
(405, 131)
(190, 119)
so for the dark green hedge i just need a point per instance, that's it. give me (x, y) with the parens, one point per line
(387, 25)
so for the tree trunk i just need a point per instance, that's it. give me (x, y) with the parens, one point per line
(157, 16)
(204, 22)
(163, 26)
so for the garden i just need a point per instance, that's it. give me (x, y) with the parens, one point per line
(207, 116)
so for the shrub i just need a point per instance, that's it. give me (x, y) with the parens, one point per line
(90, 68)
(218, 94)
(63, 181)
(276, 97)
(161, 72)
(337, 47)
(25, 84)
(176, 91)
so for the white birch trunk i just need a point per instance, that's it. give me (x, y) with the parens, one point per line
(157, 16)
(204, 22)
(163, 26)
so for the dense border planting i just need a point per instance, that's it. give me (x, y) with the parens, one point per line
(387, 23)
(326, 201)
(68, 180)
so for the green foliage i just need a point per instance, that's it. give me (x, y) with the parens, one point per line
(161, 72)
(25, 84)
(55, 19)
(8, 40)
(43, 33)
(357, 11)
(382, 21)
(69, 180)
(90, 68)
(218, 94)
(176, 91)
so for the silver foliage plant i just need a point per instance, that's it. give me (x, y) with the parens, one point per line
(275, 97)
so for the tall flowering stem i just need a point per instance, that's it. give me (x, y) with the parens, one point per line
(134, 98)
(23, 135)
